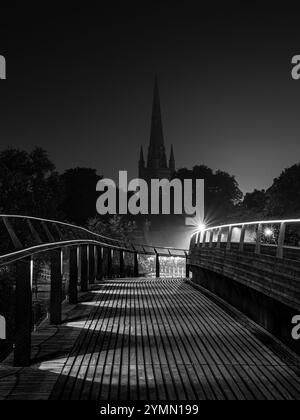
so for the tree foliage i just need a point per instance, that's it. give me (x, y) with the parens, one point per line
(115, 227)
(283, 198)
(79, 201)
(222, 192)
(255, 200)
(29, 184)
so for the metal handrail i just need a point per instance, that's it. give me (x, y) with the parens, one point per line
(264, 222)
(206, 236)
(20, 251)
(90, 258)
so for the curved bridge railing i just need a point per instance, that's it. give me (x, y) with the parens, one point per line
(90, 257)
(278, 238)
(24, 235)
(255, 267)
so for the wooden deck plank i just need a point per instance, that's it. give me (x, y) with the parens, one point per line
(149, 339)
(217, 345)
(253, 354)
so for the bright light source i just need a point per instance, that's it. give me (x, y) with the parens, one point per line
(201, 227)
(269, 232)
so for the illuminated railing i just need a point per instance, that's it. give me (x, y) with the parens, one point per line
(278, 238)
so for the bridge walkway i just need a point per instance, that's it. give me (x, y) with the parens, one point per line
(153, 339)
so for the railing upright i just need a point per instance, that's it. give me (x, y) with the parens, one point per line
(242, 238)
(14, 238)
(204, 239)
(122, 265)
(136, 265)
(47, 232)
(109, 263)
(56, 288)
(73, 281)
(219, 238)
(211, 238)
(281, 241)
(34, 233)
(91, 264)
(23, 317)
(199, 241)
(95, 253)
(157, 263)
(84, 269)
(229, 239)
(187, 266)
(258, 239)
(100, 272)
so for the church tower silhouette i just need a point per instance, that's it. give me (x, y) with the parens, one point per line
(157, 167)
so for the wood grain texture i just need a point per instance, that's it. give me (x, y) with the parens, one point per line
(155, 339)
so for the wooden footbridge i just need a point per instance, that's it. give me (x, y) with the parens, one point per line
(112, 335)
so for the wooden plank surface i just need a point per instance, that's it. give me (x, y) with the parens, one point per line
(154, 339)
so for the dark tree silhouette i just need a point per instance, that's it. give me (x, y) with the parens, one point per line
(222, 193)
(283, 198)
(255, 201)
(79, 202)
(29, 184)
(116, 227)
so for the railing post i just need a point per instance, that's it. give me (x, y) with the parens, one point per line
(84, 269)
(242, 238)
(122, 265)
(60, 236)
(62, 265)
(109, 263)
(47, 231)
(281, 240)
(100, 263)
(22, 347)
(136, 265)
(204, 239)
(258, 239)
(157, 265)
(187, 266)
(91, 264)
(56, 288)
(73, 281)
(95, 251)
(14, 238)
(228, 246)
(198, 241)
(211, 238)
(34, 233)
(219, 238)
(193, 240)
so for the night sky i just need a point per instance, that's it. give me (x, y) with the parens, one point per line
(80, 83)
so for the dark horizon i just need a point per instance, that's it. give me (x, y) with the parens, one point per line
(80, 83)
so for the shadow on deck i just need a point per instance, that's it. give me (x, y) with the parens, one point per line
(151, 339)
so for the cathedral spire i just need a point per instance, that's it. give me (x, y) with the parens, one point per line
(157, 154)
(142, 164)
(157, 166)
(142, 159)
(157, 136)
(172, 164)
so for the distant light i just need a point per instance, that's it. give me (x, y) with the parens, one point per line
(201, 227)
(269, 232)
